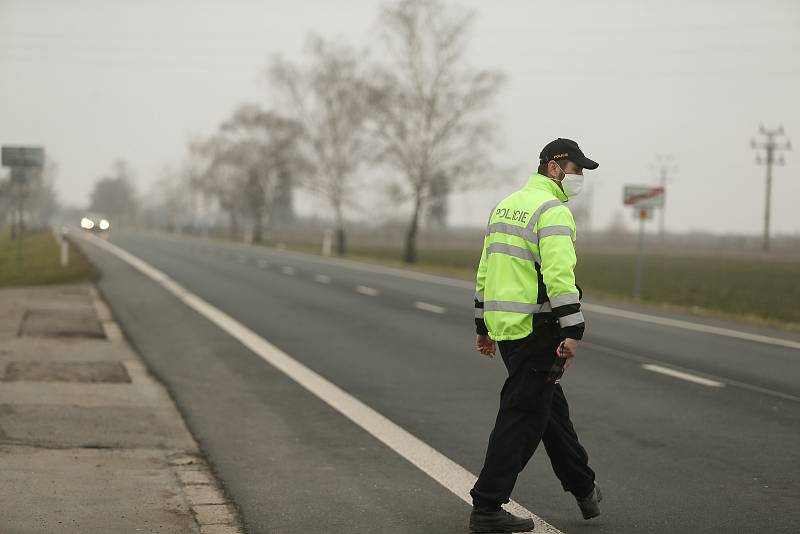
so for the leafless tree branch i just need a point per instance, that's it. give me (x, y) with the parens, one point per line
(428, 107)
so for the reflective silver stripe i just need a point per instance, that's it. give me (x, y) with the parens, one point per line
(479, 313)
(571, 320)
(479, 296)
(509, 306)
(548, 231)
(509, 229)
(563, 300)
(527, 232)
(512, 250)
(517, 307)
(541, 209)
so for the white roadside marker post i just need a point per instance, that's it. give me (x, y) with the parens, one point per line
(64, 248)
(327, 242)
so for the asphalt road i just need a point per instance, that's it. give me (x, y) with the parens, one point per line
(714, 449)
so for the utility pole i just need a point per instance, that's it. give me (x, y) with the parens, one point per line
(771, 147)
(642, 215)
(643, 198)
(25, 162)
(20, 178)
(664, 165)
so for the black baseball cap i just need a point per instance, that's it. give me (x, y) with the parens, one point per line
(569, 150)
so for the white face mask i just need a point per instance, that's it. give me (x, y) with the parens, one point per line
(572, 184)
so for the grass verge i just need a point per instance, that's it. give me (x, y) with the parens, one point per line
(40, 263)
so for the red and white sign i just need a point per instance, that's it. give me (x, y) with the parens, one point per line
(643, 196)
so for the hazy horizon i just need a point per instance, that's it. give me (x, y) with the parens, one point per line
(94, 81)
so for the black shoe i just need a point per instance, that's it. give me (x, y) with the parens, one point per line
(500, 521)
(590, 505)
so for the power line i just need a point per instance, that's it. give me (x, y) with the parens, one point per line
(771, 147)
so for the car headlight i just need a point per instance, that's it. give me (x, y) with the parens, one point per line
(104, 224)
(87, 223)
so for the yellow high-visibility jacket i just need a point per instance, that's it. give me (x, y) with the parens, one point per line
(528, 264)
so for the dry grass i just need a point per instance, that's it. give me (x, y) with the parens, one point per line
(40, 261)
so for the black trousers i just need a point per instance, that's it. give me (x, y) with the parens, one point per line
(532, 409)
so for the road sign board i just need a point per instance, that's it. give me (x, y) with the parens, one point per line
(23, 156)
(643, 196)
(642, 214)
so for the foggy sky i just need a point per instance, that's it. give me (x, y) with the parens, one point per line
(98, 80)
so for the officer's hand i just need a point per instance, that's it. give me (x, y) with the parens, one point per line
(567, 349)
(486, 346)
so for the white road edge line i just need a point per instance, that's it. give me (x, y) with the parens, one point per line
(433, 308)
(288, 270)
(686, 325)
(322, 279)
(369, 291)
(683, 376)
(439, 467)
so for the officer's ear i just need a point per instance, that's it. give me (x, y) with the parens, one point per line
(553, 170)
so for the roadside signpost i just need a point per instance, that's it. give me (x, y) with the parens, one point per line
(644, 199)
(22, 176)
(23, 156)
(644, 196)
(26, 163)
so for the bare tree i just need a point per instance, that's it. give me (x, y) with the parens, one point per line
(6, 192)
(267, 144)
(115, 195)
(41, 197)
(249, 166)
(167, 202)
(32, 202)
(439, 190)
(429, 106)
(327, 97)
(219, 175)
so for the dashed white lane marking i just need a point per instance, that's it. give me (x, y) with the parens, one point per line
(683, 376)
(288, 270)
(430, 461)
(595, 308)
(263, 264)
(369, 291)
(322, 279)
(433, 308)
(725, 380)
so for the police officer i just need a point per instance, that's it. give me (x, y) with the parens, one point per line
(528, 306)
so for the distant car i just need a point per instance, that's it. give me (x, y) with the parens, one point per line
(95, 223)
